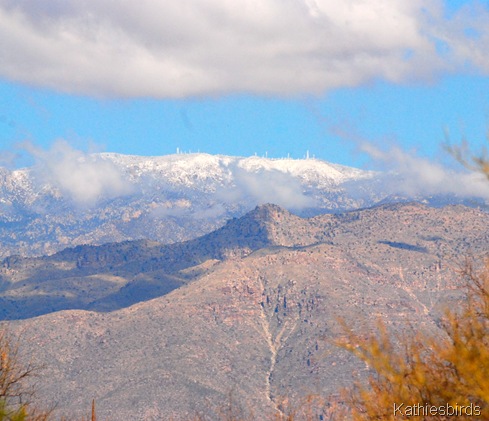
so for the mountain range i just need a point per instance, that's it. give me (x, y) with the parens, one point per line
(247, 313)
(72, 199)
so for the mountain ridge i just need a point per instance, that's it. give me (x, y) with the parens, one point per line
(258, 324)
(99, 198)
(116, 275)
(73, 198)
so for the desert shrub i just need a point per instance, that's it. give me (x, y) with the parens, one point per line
(423, 376)
(15, 374)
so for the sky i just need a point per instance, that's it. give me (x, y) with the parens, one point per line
(275, 78)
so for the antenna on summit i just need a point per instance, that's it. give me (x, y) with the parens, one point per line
(307, 154)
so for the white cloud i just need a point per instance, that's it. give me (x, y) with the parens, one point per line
(84, 178)
(161, 48)
(406, 173)
(183, 208)
(463, 41)
(265, 186)
(213, 211)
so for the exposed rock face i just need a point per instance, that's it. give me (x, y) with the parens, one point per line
(247, 310)
(169, 199)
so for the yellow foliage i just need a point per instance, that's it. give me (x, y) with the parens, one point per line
(425, 373)
(15, 394)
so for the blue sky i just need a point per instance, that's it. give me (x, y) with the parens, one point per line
(238, 78)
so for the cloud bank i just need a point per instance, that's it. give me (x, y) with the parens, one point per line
(84, 178)
(243, 187)
(268, 186)
(414, 176)
(165, 49)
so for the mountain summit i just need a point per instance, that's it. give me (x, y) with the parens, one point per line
(116, 275)
(100, 198)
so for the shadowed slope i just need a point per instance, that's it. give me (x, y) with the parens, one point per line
(259, 325)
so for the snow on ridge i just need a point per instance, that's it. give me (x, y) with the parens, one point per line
(199, 172)
(181, 169)
(189, 168)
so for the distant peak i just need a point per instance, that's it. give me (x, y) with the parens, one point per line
(269, 211)
(270, 206)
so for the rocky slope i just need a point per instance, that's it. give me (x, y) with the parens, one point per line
(100, 198)
(251, 314)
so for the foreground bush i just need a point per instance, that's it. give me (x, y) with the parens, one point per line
(428, 377)
(15, 393)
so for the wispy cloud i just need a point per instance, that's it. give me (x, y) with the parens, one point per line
(265, 186)
(406, 173)
(189, 47)
(85, 179)
(183, 208)
(81, 177)
(463, 40)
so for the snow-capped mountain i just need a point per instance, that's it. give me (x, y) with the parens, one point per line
(187, 169)
(97, 198)
(76, 198)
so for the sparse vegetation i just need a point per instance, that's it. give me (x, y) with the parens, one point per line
(15, 392)
(477, 162)
(428, 371)
(425, 376)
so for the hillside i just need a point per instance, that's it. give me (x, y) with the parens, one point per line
(109, 197)
(252, 312)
